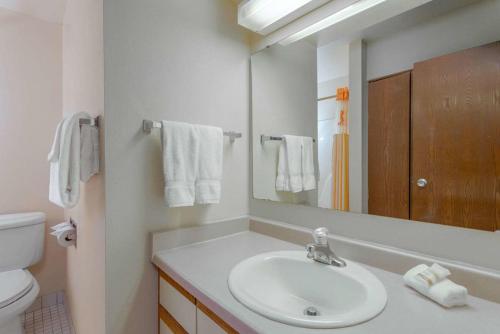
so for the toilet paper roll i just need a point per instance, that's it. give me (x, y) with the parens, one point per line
(66, 236)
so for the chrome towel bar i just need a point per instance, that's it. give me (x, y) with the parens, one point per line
(91, 121)
(264, 138)
(148, 125)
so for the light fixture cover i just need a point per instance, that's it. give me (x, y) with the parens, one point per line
(256, 15)
(341, 15)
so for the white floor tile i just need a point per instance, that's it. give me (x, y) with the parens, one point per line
(51, 319)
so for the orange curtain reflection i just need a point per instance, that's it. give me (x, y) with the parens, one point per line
(340, 155)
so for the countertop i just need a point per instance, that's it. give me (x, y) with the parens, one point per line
(203, 269)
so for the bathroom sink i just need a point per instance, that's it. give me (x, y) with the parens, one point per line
(288, 287)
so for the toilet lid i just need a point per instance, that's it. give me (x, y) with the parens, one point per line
(13, 285)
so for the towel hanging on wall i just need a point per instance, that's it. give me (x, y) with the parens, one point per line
(296, 165)
(192, 163)
(65, 160)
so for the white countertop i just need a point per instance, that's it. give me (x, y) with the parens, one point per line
(203, 269)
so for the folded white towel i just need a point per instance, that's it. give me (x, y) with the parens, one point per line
(53, 155)
(290, 165)
(64, 158)
(89, 151)
(180, 162)
(432, 283)
(308, 172)
(210, 161)
(296, 164)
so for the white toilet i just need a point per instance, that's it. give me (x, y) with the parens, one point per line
(21, 245)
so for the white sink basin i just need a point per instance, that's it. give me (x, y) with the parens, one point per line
(282, 285)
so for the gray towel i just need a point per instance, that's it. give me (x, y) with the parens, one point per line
(89, 152)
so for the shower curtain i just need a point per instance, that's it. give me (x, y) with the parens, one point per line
(340, 155)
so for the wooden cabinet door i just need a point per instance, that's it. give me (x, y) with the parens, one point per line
(389, 146)
(456, 139)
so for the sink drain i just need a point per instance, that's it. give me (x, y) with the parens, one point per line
(311, 311)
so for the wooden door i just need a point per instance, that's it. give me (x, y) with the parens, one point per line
(388, 146)
(456, 139)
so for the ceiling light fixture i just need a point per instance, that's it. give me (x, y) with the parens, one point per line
(256, 15)
(335, 18)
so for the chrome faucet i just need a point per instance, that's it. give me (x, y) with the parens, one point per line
(320, 250)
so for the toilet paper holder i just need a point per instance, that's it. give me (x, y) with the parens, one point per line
(72, 236)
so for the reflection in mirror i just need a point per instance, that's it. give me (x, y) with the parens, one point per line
(401, 119)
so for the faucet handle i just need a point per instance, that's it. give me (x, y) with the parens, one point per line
(320, 236)
(310, 250)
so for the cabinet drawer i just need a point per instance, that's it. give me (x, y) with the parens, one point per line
(164, 328)
(178, 303)
(205, 325)
(207, 322)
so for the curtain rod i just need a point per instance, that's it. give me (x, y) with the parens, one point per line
(327, 97)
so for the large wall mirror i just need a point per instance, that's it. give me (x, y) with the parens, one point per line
(399, 119)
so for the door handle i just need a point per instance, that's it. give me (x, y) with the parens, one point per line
(421, 183)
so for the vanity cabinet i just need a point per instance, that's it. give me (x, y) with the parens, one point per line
(179, 312)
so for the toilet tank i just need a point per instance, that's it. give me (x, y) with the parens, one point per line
(21, 240)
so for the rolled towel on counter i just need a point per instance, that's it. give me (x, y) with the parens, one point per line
(433, 283)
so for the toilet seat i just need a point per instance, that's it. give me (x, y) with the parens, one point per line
(14, 285)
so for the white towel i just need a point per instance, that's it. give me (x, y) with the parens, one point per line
(440, 289)
(64, 158)
(296, 164)
(290, 165)
(308, 172)
(209, 175)
(89, 151)
(180, 162)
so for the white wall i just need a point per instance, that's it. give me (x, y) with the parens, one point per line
(83, 91)
(175, 60)
(30, 108)
(463, 28)
(333, 61)
(358, 164)
(283, 102)
(333, 73)
(328, 119)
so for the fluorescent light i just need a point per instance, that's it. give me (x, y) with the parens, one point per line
(337, 17)
(259, 14)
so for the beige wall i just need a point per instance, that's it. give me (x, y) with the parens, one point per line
(30, 108)
(175, 60)
(83, 91)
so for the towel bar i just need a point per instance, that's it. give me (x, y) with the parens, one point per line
(91, 121)
(148, 125)
(264, 138)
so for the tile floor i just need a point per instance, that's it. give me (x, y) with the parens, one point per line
(49, 319)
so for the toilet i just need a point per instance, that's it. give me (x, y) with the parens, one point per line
(21, 245)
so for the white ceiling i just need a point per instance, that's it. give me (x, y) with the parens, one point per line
(391, 24)
(47, 10)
